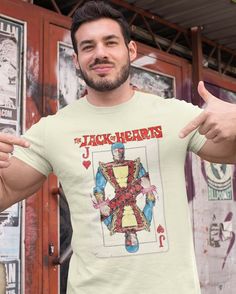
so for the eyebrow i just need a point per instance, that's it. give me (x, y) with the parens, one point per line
(111, 37)
(106, 38)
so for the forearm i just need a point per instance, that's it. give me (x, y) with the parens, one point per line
(223, 152)
(17, 182)
(7, 197)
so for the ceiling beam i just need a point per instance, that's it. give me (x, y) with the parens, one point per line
(197, 59)
(56, 6)
(77, 5)
(164, 22)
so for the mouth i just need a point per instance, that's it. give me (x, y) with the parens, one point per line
(102, 68)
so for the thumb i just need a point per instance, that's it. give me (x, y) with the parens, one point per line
(204, 93)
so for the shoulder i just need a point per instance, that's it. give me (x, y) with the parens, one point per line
(71, 108)
(167, 103)
(149, 98)
(71, 111)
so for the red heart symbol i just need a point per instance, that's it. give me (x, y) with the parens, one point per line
(160, 229)
(86, 163)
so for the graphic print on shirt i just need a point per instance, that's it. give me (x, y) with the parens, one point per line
(127, 192)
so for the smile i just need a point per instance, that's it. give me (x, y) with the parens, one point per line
(101, 69)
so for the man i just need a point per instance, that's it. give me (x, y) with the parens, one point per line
(77, 138)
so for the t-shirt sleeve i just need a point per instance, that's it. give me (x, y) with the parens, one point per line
(196, 142)
(35, 155)
(196, 139)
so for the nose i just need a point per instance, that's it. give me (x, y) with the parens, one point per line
(100, 51)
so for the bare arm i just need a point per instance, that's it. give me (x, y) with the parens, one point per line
(218, 123)
(223, 152)
(17, 179)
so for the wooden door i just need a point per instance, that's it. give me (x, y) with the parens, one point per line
(56, 217)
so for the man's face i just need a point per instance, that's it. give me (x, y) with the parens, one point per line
(103, 57)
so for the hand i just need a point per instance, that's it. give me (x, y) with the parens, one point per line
(218, 120)
(105, 210)
(145, 182)
(7, 143)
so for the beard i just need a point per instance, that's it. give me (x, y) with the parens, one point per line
(105, 84)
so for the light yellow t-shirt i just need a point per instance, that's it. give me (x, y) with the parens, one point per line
(120, 250)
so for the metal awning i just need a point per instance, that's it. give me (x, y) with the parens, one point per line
(166, 25)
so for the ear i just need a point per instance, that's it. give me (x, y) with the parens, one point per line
(76, 62)
(132, 46)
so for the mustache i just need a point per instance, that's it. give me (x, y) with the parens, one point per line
(100, 61)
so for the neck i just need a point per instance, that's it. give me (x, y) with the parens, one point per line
(110, 98)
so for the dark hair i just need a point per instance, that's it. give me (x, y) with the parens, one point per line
(93, 10)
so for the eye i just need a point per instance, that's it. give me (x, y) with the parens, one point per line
(111, 43)
(87, 48)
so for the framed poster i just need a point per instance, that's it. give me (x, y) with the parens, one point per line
(12, 58)
(71, 86)
(153, 82)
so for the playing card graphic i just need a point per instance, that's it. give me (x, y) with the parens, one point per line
(128, 195)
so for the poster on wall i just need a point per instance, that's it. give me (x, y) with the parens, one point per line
(71, 85)
(214, 217)
(153, 82)
(219, 180)
(12, 34)
(10, 273)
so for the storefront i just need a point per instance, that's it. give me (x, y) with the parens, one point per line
(37, 78)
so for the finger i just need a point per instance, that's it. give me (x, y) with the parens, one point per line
(6, 148)
(4, 164)
(212, 134)
(218, 139)
(193, 125)
(4, 156)
(204, 93)
(205, 128)
(13, 140)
